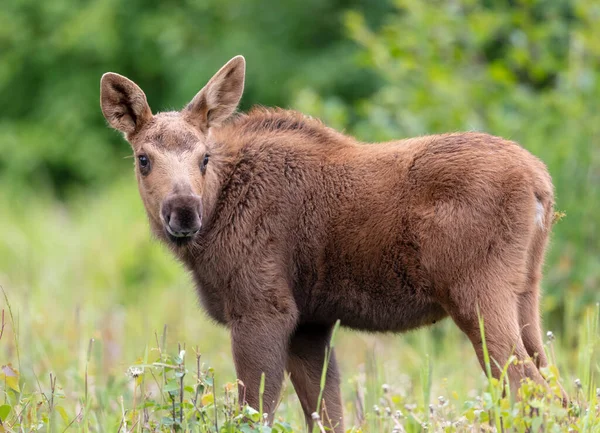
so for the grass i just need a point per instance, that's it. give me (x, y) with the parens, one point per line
(101, 332)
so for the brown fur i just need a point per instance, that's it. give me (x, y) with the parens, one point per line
(300, 225)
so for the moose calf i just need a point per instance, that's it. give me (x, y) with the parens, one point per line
(288, 225)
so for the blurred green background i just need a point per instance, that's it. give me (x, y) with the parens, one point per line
(75, 248)
(76, 257)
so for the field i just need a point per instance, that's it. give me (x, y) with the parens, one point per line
(96, 316)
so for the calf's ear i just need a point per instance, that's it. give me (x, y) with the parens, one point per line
(217, 101)
(123, 103)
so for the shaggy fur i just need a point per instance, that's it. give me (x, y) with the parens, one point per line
(298, 226)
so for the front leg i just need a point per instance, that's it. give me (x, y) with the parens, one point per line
(260, 344)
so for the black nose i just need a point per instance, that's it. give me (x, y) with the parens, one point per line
(182, 215)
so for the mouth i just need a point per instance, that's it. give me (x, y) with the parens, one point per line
(180, 238)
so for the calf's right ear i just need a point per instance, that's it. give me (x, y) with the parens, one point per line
(123, 103)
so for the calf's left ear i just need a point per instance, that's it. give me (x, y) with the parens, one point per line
(123, 103)
(217, 101)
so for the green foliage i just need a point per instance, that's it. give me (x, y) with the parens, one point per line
(52, 133)
(525, 70)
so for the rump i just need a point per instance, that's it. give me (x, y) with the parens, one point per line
(479, 202)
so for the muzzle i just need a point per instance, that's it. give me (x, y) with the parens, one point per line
(182, 216)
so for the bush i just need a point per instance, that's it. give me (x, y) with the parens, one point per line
(52, 133)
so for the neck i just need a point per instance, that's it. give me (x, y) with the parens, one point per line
(234, 147)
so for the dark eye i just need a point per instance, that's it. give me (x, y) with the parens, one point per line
(144, 164)
(204, 163)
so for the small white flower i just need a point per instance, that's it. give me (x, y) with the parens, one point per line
(135, 371)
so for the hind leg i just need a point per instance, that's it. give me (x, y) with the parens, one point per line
(531, 331)
(529, 309)
(499, 308)
(529, 300)
(305, 363)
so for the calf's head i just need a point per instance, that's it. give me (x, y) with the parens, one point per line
(173, 150)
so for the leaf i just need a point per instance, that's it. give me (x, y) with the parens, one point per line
(63, 414)
(167, 421)
(282, 427)
(245, 428)
(536, 404)
(251, 413)
(171, 386)
(207, 399)
(470, 415)
(10, 375)
(4, 411)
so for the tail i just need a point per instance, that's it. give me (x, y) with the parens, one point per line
(544, 214)
(544, 195)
